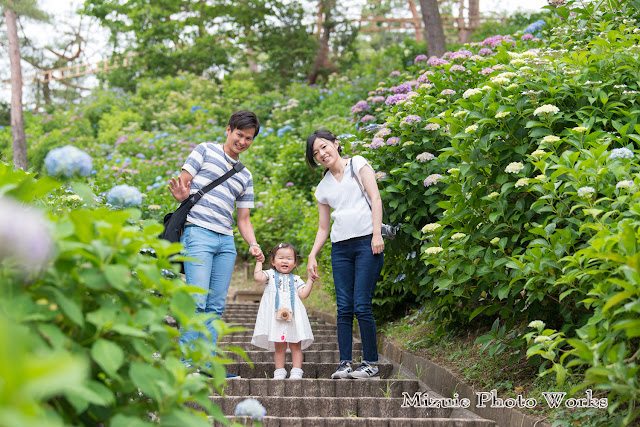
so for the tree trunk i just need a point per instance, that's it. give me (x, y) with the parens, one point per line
(464, 36)
(17, 118)
(416, 18)
(323, 42)
(436, 45)
(474, 16)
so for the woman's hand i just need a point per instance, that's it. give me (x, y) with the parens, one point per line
(312, 268)
(178, 190)
(377, 244)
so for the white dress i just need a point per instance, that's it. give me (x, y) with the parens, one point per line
(268, 329)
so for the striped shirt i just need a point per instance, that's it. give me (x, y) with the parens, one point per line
(215, 210)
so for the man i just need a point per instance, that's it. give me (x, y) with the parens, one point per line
(208, 233)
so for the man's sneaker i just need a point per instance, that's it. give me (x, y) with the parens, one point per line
(343, 371)
(365, 371)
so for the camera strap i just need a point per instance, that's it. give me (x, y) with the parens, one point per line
(291, 289)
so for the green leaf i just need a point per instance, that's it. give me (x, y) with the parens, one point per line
(620, 296)
(477, 311)
(183, 304)
(69, 307)
(108, 355)
(118, 275)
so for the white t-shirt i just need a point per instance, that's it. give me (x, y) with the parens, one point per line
(351, 214)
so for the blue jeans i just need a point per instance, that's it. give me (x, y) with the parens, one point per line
(212, 273)
(355, 273)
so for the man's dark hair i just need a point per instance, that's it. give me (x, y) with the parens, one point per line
(322, 134)
(244, 119)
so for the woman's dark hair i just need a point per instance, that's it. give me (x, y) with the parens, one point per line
(323, 134)
(244, 119)
(279, 246)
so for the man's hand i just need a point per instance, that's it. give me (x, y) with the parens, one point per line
(178, 190)
(256, 252)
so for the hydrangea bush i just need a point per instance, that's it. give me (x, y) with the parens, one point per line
(518, 190)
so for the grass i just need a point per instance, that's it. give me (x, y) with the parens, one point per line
(459, 354)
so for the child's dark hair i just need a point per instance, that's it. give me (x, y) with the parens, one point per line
(279, 246)
(323, 134)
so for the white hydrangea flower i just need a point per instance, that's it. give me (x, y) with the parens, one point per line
(550, 138)
(536, 324)
(502, 114)
(580, 129)
(514, 167)
(493, 195)
(457, 236)
(586, 191)
(460, 113)
(495, 241)
(499, 80)
(430, 227)
(471, 129)
(522, 182)
(433, 250)
(542, 177)
(470, 92)
(546, 109)
(541, 338)
(625, 184)
(453, 170)
(538, 153)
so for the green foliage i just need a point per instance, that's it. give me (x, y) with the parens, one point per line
(88, 337)
(526, 212)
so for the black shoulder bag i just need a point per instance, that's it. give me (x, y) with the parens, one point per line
(174, 221)
(388, 231)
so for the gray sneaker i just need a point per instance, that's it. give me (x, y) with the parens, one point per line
(365, 371)
(343, 371)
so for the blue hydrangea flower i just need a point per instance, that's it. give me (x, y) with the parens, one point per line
(282, 130)
(68, 161)
(621, 153)
(535, 26)
(251, 408)
(586, 191)
(124, 195)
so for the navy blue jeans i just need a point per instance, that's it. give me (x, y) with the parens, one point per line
(355, 273)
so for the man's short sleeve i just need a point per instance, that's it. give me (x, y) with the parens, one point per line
(245, 200)
(195, 160)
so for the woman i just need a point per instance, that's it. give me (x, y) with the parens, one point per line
(356, 245)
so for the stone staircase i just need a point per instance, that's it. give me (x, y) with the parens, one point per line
(317, 400)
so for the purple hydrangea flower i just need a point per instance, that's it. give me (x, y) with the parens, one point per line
(376, 143)
(485, 52)
(367, 118)
(393, 99)
(423, 157)
(28, 242)
(411, 119)
(377, 99)
(526, 37)
(457, 68)
(289, 184)
(434, 61)
(486, 71)
(420, 58)
(394, 73)
(360, 107)
(448, 92)
(432, 179)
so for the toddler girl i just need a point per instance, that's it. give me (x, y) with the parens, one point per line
(282, 319)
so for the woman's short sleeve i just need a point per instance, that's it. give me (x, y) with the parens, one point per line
(358, 163)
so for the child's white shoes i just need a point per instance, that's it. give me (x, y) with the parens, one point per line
(296, 374)
(280, 374)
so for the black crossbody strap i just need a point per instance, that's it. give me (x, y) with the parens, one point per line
(384, 211)
(195, 197)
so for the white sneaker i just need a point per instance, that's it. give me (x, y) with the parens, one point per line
(365, 371)
(296, 374)
(343, 371)
(280, 374)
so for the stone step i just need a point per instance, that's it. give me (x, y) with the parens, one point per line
(247, 335)
(269, 421)
(322, 356)
(324, 407)
(315, 346)
(321, 387)
(311, 369)
(314, 328)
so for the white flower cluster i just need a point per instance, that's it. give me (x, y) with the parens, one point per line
(586, 191)
(457, 236)
(546, 109)
(522, 182)
(471, 129)
(550, 138)
(514, 167)
(470, 92)
(625, 184)
(430, 227)
(502, 114)
(493, 195)
(621, 153)
(433, 250)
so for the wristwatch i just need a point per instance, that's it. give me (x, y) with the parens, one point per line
(254, 244)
